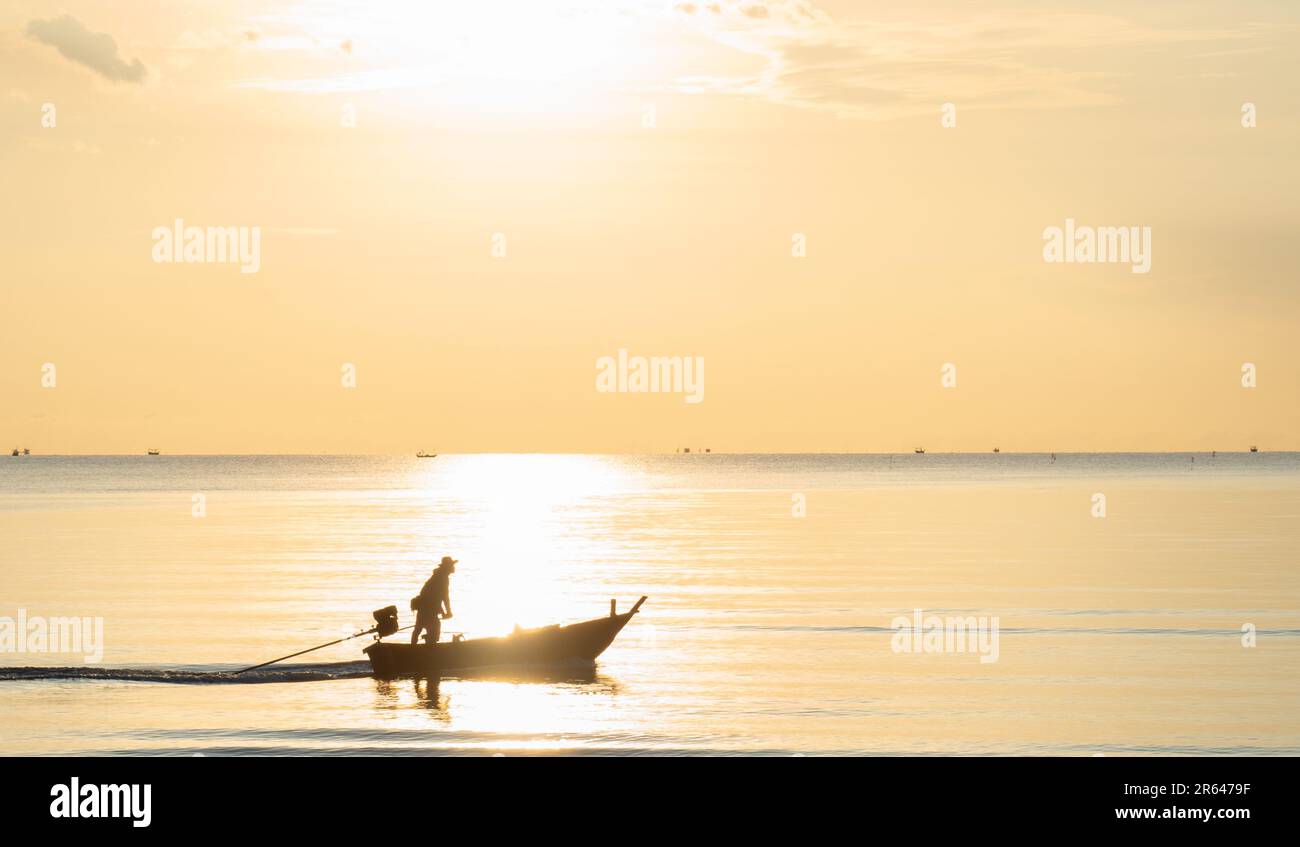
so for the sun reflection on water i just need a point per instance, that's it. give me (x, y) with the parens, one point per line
(515, 533)
(500, 711)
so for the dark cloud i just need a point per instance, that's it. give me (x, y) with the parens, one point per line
(95, 50)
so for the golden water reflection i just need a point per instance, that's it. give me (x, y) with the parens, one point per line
(514, 532)
(517, 709)
(763, 631)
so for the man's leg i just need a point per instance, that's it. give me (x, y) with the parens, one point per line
(415, 631)
(435, 630)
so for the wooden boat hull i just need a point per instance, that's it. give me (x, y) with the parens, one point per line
(548, 645)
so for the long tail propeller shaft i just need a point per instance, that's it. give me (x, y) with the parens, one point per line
(385, 624)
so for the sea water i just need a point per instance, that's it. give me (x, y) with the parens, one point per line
(1162, 618)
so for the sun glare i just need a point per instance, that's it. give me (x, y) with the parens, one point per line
(507, 55)
(520, 511)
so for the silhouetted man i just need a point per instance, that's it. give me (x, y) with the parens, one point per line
(433, 600)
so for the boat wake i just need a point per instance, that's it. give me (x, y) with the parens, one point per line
(192, 675)
(573, 671)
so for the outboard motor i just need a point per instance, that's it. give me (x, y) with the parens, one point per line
(385, 621)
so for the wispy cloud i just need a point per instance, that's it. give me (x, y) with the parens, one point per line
(877, 69)
(786, 52)
(94, 50)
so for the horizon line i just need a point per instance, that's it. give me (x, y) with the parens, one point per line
(676, 453)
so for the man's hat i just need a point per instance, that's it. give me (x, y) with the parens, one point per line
(448, 560)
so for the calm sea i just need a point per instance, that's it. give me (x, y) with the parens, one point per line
(774, 582)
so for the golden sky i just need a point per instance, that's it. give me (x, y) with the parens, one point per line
(649, 165)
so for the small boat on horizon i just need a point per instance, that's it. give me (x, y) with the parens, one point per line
(153, 453)
(919, 450)
(426, 455)
(1254, 449)
(15, 452)
(558, 644)
(997, 450)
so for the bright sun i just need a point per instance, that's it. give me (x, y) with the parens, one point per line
(502, 54)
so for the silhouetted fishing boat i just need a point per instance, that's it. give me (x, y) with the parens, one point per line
(1254, 449)
(153, 452)
(548, 645)
(426, 455)
(15, 452)
(919, 450)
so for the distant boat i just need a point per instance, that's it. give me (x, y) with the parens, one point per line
(153, 452)
(26, 452)
(996, 450)
(687, 450)
(1254, 449)
(919, 450)
(15, 452)
(426, 455)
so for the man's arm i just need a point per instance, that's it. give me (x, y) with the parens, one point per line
(446, 602)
